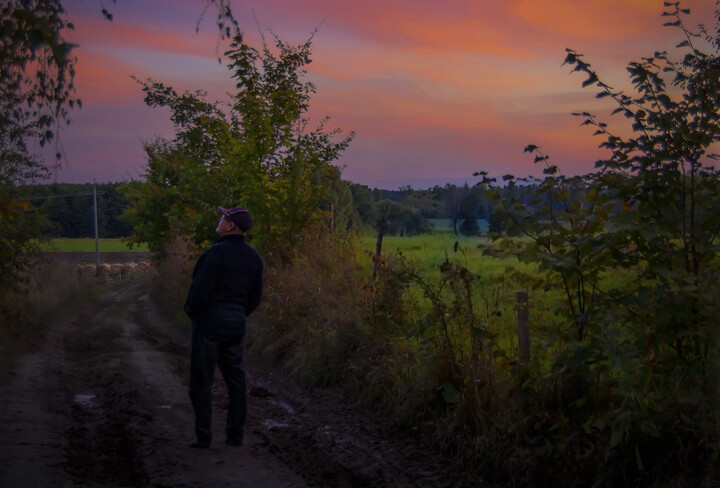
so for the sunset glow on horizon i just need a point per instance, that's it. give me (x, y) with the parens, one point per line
(433, 90)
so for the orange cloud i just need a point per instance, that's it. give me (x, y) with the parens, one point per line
(605, 20)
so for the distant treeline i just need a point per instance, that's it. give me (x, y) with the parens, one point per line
(405, 211)
(70, 209)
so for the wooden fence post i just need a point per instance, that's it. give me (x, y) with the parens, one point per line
(522, 329)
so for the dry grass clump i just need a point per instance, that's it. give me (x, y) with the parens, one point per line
(310, 320)
(172, 279)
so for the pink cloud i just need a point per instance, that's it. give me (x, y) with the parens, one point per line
(100, 79)
(93, 33)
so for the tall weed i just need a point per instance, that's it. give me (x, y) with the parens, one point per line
(310, 320)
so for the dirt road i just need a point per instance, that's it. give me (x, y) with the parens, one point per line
(103, 403)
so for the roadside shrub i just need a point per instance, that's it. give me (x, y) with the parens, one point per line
(21, 232)
(633, 386)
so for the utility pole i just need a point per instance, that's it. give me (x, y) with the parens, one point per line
(97, 250)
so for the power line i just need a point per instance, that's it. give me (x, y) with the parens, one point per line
(65, 196)
(94, 194)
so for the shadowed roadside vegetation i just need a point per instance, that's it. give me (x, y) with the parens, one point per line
(49, 289)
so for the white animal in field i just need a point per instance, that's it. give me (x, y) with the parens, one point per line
(104, 270)
(88, 271)
(85, 271)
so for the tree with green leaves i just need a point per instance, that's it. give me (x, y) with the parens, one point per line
(634, 251)
(258, 153)
(362, 197)
(36, 81)
(472, 208)
(36, 92)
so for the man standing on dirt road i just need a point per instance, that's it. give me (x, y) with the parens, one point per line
(226, 287)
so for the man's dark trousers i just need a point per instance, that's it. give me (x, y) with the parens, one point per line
(227, 352)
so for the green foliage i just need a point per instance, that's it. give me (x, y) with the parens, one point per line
(638, 368)
(362, 205)
(36, 74)
(454, 197)
(36, 92)
(259, 154)
(20, 229)
(392, 218)
(339, 205)
(418, 341)
(462, 203)
(469, 227)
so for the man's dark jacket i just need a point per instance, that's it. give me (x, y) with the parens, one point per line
(226, 287)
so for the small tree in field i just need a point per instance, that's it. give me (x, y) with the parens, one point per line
(259, 153)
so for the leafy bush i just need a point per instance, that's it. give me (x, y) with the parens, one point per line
(634, 388)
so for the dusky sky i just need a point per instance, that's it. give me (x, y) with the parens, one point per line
(434, 90)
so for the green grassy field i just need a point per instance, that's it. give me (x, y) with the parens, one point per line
(429, 251)
(88, 245)
(494, 284)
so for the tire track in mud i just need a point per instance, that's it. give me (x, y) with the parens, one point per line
(107, 415)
